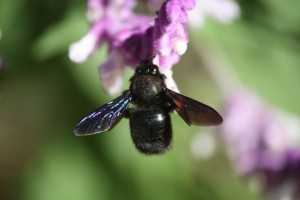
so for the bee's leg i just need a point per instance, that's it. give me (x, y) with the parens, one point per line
(128, 113)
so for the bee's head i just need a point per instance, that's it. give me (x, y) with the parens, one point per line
(147, 67)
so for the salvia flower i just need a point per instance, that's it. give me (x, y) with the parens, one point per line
(264, 142)
(131, 36)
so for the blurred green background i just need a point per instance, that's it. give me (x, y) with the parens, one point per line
(43, 95)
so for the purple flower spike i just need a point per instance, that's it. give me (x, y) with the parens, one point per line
(131, 35)
(265, 142)
(170, 36)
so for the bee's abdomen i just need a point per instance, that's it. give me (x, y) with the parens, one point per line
(151, 130)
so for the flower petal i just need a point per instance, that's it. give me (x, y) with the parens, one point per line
(85, 47)
(170, 83)
(95, 10)
(180, 39)
(188, 4)
(111, 72)
(223, 11)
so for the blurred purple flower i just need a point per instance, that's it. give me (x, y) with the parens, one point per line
(263, 141)
(131, 35)
(203, 145)
(224, 11)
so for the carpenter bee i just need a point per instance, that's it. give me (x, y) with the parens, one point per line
(149, 117)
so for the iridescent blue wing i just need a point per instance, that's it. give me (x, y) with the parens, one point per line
(105, 117)
(192, 111)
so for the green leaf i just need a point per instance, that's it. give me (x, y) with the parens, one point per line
(66, 170)
(57, 38)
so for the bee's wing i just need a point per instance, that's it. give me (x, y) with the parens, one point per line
(105, 117)
(192, 111)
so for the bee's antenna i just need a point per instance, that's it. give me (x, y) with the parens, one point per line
(152, 57)
(141, 60)
(138, 58)
(136, 55)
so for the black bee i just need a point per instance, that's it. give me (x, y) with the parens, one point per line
(150, 123)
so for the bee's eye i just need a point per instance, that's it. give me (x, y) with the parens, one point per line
(139, 70)
(154, 71)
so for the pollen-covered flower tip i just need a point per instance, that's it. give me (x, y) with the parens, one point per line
(180, 47)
